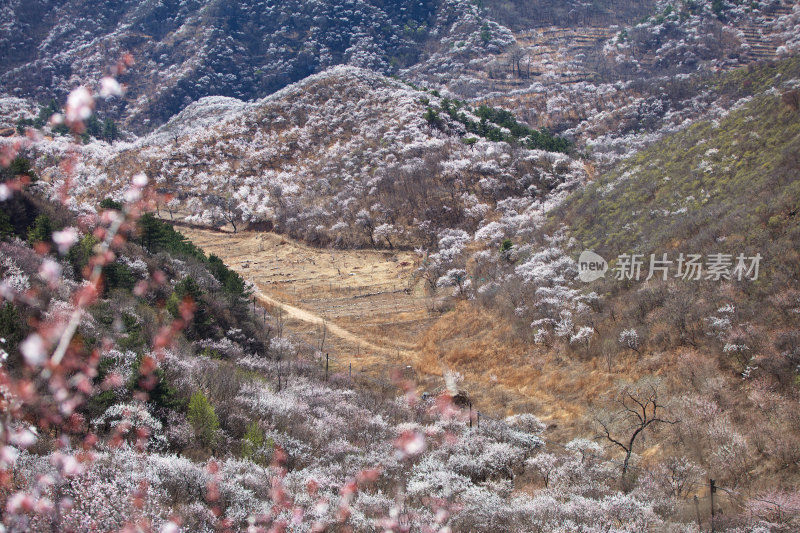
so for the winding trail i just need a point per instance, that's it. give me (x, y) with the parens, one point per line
(311, 318)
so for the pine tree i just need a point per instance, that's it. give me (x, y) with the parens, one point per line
(110, 131)
(203, 419)
(6, 229)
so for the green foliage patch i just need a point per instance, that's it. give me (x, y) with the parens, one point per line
(496, 125)
(158, 236)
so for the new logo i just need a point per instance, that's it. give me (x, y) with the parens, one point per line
(591, 266)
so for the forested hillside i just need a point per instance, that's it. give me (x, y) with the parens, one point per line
(195, 410)
(186, 50)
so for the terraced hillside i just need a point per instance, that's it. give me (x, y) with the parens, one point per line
(761, 44)
(369, 293)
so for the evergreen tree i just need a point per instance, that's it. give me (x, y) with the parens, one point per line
(93, 129)
(159, 392)
(108, 203)
(203, 419)
(201, 322)
(117, 276)
(80, 254)
(110, 131)
(6, 228)
(41, 230)
(20, 166)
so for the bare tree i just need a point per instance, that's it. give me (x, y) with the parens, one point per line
(228, 208)
(609, 352)
(634, 408)
(515, 56)
(172, 206)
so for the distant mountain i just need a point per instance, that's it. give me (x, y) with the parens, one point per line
(187, 50)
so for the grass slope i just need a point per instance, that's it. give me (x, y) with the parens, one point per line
(728, 187)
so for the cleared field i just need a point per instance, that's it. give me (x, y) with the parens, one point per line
(362, 306)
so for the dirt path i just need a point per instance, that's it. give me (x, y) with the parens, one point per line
(311, 318)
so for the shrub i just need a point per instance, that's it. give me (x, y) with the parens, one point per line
(108, 203)
(252, 441)
(203, 419)
(20, 166)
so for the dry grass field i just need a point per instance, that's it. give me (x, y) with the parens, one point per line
(361, 306)
(366, 308)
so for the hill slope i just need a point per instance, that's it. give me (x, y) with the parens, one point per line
(344, 157)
